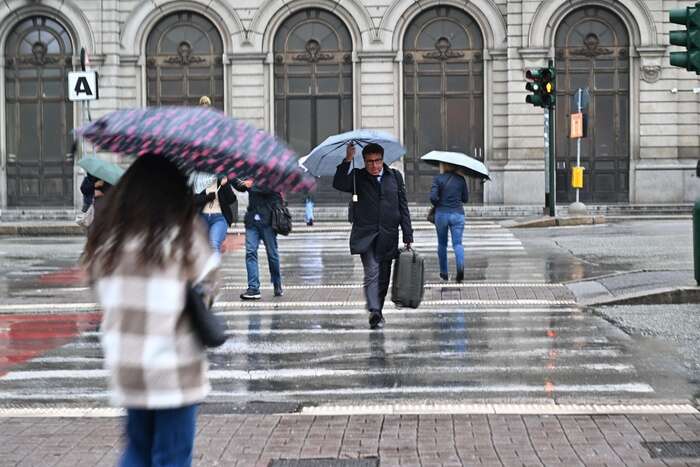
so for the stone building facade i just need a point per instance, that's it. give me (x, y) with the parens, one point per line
(439, 74)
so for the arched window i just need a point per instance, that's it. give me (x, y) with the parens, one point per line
(592, 51)
(39, 117)
(443, 93)
(184, 61)
(313, 83)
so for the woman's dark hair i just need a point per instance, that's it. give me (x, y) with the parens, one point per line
(372, 148)
(149, 201)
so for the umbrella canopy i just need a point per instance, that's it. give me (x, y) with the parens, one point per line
(471, 166)
(325, 157)
(201, 139)
(103, 170)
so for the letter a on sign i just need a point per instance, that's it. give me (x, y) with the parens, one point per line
(82, 86)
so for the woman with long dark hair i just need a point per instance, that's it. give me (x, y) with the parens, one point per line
(146, 246)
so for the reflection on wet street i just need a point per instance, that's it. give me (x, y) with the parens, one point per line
(509, 333)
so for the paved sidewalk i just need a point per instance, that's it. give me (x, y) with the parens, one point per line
(395, 440)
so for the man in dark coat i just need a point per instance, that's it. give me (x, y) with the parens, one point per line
(378, 209)
(258, 227)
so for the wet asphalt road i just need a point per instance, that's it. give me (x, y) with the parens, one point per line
(312, 346)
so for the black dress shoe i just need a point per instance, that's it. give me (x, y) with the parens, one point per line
(376, 320)
(278, 291)
(444, 277)
(460, 276)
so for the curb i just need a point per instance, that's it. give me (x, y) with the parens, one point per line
(554, 222)
(661, 296)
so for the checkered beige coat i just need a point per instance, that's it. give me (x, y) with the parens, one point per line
(153, 357)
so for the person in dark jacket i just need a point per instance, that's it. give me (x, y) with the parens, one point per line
(258, 226)
(448, 193)
(378, 211)
(87, 188)
(216, 207)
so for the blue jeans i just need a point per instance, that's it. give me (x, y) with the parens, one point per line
(308, 210)
(253, 234)
(454, 223)
(217, 226)
(159, 437)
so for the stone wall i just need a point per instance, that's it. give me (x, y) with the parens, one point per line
(518, 34)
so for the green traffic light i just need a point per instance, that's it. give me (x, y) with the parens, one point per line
(689, 38)
(532, 87)
(679, 15)
(535, 100)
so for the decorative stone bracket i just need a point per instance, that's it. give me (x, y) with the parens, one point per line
(651, 62)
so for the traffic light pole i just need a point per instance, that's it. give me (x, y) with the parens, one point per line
(551, 161)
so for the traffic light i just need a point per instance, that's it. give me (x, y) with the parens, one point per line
(689, 38)
(541, 86)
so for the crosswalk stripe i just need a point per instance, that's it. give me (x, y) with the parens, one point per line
(264, 375)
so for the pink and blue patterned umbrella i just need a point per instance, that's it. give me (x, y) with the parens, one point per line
(202, 139)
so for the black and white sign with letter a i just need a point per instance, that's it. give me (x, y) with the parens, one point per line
(82, 86)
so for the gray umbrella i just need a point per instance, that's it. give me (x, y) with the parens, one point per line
(471, 166)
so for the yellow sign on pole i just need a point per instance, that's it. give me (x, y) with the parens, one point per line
(577, 177)
(576, 125)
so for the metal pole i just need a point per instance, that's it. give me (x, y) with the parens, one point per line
(552, 165)
(578, 140)
(696, 237)
(545, 211)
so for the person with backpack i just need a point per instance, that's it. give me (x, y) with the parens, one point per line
(380, 209)
(449, 191)
(262, 204)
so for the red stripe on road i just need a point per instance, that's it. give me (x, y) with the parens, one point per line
(27, 336)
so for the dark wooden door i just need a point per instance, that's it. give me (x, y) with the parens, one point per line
(592, 51)
(39, 117)
(184, 61)
(443, 95)
(313, 86)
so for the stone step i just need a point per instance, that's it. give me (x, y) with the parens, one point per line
(338, 212)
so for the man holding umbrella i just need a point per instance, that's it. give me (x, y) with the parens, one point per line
(379, 207)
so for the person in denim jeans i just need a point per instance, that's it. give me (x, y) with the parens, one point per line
(214, 202)
(448, 193)
(258, 227)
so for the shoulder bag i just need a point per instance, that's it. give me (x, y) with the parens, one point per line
(209, 328)
(431, 212)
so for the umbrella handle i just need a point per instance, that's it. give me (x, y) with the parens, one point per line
(354, 186)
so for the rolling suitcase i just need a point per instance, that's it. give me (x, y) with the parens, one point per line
(408, 280)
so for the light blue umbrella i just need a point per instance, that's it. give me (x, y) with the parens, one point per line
(469, 165)
(325, 157)
(103, 170)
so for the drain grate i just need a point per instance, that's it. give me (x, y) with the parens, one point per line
(366, 462)
(658, 449)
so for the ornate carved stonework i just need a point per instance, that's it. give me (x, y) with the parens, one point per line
(591, 47)
(408, 58)
(651, 73)
(184, 55)
(39, 56)
(443, 50)
(313, 53)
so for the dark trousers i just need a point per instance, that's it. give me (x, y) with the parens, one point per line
(376, 283)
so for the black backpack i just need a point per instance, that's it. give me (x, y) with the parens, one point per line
(281, 220)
